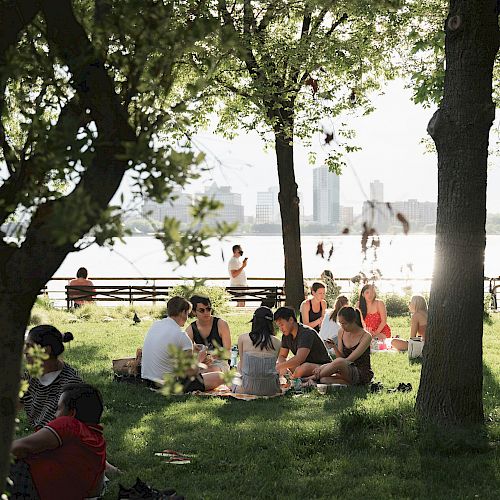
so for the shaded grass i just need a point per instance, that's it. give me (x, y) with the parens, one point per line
(348, 444)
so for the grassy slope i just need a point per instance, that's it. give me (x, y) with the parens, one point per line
(351, 444)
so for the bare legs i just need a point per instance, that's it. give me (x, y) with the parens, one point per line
(212, 380)
(399, 344)
(336, 372)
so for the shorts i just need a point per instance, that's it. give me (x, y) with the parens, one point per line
(190, 384)
(359, 377)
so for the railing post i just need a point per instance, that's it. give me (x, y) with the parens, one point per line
(130, 295)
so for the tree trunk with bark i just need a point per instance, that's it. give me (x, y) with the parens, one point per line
(290, 216)
(14, 315)
(450, 390)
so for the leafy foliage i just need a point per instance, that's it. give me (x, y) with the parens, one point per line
(218, 296)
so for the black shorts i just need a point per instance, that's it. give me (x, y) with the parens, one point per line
(190, 384)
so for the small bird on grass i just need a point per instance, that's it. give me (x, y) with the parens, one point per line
(136, 319)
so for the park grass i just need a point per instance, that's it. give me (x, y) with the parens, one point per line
(349, 444)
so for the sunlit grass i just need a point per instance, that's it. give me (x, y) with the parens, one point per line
(349, 444)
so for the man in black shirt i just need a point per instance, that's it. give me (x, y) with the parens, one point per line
(304, 342)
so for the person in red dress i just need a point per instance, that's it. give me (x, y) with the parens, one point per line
(374, 313)
(65, 459)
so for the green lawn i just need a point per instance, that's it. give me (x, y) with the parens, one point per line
(347, 445)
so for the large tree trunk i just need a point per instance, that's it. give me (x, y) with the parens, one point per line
(290, 221)
(14, 315)
(451, 382)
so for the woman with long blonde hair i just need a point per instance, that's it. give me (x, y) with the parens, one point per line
(418, 310)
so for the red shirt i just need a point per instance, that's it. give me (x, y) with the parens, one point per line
(71, 471)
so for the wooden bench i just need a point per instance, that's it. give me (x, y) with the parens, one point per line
(270, 296)
(116, 293)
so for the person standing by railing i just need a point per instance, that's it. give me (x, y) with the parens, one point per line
(236, 268)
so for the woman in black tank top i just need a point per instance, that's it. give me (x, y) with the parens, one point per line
(213, 340)
(209, 330)
(312, 311)
(352, 365)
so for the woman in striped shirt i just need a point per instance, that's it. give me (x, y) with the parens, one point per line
(41, 398)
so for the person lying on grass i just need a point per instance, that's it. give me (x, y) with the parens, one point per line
(66, 458)
(157, 360)
(304, 342)
(352, 365)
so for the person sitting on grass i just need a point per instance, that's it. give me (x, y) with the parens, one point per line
(209, 331)
(313, 311)
(418, 310)
(352, 365)
(41, 398)
(66, 458)
(374, 313)
(304, 342)
(157, 360)
(330, 328)
(258, 351)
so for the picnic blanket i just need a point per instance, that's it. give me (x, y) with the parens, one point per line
(223, 391)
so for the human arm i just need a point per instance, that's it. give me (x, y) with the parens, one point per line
(40, 441)
(225, 334)
(383, 318)
(238, 270)
(283, 354)
(189, 332)
(339, 350)
(414, 326)
(241, 352)
(294, 362)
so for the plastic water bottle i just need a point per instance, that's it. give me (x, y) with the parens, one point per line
(234, 356)
(374, 345)
(297, 384)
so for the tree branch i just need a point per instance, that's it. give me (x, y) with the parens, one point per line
(102, 178)
(306, 24)
(335, 25)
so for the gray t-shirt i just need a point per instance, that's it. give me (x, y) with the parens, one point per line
(308, 338)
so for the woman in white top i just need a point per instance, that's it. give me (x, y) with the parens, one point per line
(259, 351)
(330, 328)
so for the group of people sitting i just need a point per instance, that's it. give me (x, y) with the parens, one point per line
(65, 458)
(67, 453)
(344, 334)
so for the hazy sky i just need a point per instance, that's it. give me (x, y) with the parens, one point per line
(392, 152)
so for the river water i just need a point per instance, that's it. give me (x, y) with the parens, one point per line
(409, 257)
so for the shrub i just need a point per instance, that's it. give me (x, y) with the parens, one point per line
(396, 305)
(217, 295)
(332, 291)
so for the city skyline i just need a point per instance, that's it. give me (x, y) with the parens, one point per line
(395, 150)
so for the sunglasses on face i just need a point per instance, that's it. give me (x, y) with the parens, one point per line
(203, 309)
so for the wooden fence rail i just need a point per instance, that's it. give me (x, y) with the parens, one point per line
(270, 296)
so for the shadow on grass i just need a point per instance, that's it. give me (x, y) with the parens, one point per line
(466, 456)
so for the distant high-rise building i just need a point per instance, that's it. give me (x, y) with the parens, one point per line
(179, 206)
(417, 213)
(326, 196)
(232, 211)
(376, 191)
(346, 216)
(267, 210)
